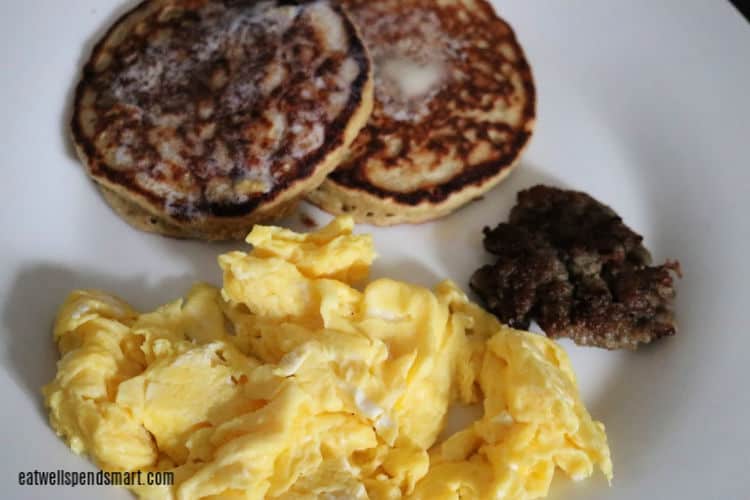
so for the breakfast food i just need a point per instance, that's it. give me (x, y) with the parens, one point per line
(289, 382)
(199, 118)
(569, 262)
(454, 109)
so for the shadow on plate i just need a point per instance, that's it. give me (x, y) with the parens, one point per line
(404, 269)
(458, 237)
(67, 112)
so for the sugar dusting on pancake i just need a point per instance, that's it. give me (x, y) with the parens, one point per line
(215, 108)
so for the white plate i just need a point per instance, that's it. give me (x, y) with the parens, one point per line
(642, 104)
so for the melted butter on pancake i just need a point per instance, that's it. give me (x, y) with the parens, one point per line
(412, 59)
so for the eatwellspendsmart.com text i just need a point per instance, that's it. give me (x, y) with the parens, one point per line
(100, 478)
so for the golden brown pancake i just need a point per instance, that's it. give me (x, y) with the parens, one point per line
(199, 118)
(454, 109)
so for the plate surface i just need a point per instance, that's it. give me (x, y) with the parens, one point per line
(642, 104)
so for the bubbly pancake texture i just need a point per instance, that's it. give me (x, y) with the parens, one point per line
(454, 108)
(199, 118)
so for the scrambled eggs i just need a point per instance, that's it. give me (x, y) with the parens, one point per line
(289, 382)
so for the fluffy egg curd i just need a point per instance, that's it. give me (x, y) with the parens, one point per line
(291, 383)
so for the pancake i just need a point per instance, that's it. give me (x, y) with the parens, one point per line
(200, 118)
(454, 109)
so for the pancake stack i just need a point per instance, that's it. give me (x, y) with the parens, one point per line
(200, 118)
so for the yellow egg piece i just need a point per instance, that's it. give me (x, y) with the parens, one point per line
(288, 382)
